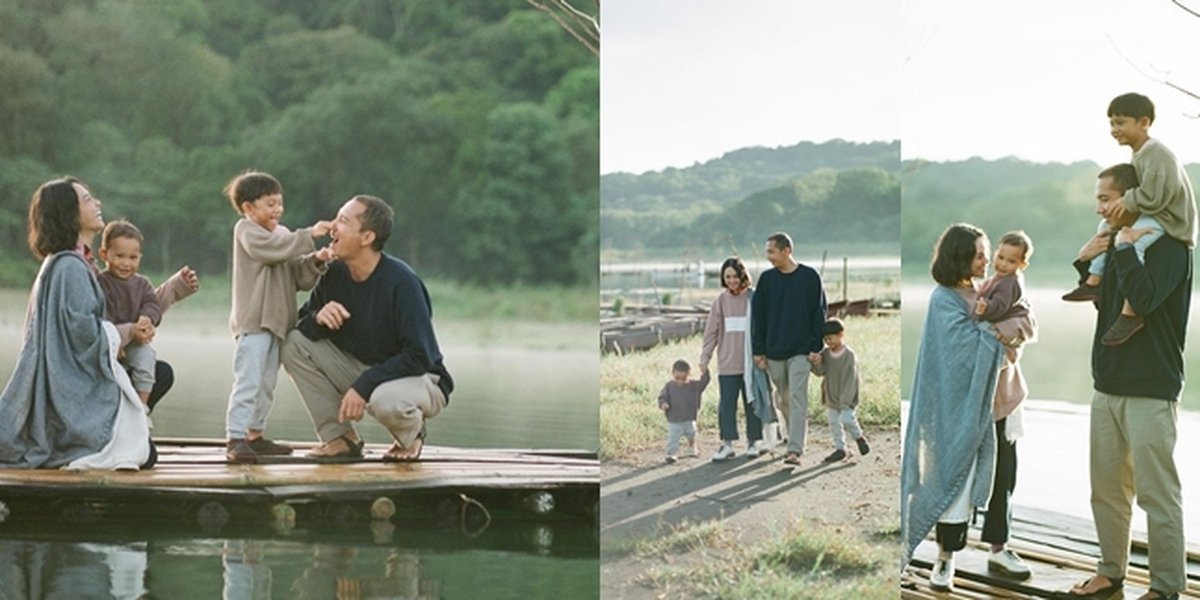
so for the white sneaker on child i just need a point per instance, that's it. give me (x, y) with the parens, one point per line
(725, 452)
(941, 579)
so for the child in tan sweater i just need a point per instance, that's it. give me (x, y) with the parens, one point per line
(270, 264)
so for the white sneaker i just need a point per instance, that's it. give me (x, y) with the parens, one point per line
(693, 451)
(1007, 562)
(942, 577)
(725, 452)
(753, 451)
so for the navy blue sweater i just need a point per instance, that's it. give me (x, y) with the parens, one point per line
(787, 313)
(1150, 364)
(389, 328)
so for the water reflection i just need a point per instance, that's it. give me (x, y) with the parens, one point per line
(376, 560)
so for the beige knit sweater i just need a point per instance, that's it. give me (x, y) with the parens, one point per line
(269, 267)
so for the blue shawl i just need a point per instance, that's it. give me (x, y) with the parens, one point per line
(950, 426)
(62, 397)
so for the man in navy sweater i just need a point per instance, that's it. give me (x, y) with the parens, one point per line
(786, 316)
(364, 342)
(1135, 402)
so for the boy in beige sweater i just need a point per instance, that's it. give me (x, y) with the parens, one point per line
(270, 264)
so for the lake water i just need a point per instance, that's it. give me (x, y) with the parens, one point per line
(518, 385)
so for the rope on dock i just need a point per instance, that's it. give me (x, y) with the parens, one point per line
(467, 502)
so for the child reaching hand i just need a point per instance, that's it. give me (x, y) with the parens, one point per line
(130, 302)
(680, 402)
(1002, 297)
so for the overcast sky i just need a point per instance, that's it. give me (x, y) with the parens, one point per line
(1033, 79)
(684, 82)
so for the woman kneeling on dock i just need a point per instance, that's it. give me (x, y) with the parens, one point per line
(68, 402)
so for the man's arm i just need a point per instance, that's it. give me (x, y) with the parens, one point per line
(758, 319)
(414, 325)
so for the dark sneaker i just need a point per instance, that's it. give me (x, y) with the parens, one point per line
(1122, 330)
(1083, 293)
(266, 447)
(863, 448)
(835, 456)
(239, 451)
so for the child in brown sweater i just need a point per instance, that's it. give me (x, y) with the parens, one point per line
(680, 402)
(130, 302)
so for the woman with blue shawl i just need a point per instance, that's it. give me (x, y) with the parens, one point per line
(950, 442)
(69, 403)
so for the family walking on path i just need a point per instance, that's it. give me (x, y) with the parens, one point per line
(964, 418)
(87, 378)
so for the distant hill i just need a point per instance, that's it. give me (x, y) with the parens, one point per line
(836, 191)
(1053, 202)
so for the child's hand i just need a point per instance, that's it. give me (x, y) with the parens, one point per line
(980, 306)
(664, 406)
(143, 330)
(190, 279)
(323, 255)
(321, 229)
(1116, 209)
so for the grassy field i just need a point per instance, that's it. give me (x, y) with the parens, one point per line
(800, 562)
(629, 385)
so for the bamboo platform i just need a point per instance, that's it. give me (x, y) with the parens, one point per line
(1060, 550)
(193, 480)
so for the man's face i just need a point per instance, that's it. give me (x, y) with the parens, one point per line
(347, 237)
(1107, 196)
(778, 257)
(1129, 131)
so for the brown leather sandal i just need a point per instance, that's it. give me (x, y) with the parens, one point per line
(396, 454)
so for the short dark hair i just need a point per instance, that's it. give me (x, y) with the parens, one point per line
(1131, 105)
(1021, 240)
(250, 186)
(377, 216)
(832, 325)
(738, 267)
(781, 240)
(54, 217)
(119, 229)
(953, 254)
(681, 366)
(1124, 176)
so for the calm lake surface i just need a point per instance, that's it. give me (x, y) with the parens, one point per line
(518, 385)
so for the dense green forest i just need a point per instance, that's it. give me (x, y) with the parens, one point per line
(1053, 202)
(476, 119)
(836, 191)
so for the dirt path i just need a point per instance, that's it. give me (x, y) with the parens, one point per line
(753, 499)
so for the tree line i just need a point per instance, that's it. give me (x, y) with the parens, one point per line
(835, 192)
(477, 120)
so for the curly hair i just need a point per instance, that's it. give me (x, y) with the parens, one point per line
(953, 253)
(54, 217)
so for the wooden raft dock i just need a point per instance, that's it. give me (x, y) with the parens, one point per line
(1061, 550)
(193, 480)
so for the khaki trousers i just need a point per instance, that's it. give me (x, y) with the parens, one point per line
(1132, 455)
(323, 373)
(791, 386)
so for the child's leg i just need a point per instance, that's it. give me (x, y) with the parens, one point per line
(1096, 269)
(141, 359)
(1140, 245)
(250, 358)
(266, 392)
(674, 432)
(835, 428)
(689, 430)
(850, 420)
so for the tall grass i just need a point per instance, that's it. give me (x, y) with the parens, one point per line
(630, 421)
(798, 563)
